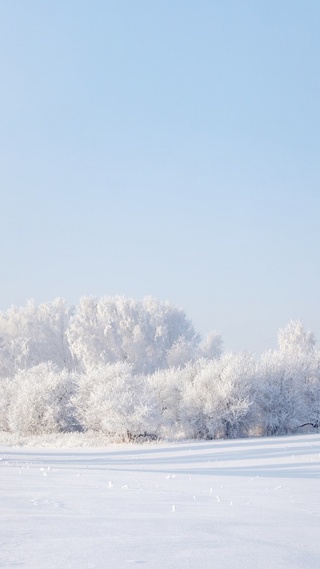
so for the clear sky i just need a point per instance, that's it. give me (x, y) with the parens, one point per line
(167, 148)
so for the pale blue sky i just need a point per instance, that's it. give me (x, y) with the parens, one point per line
(166, 148)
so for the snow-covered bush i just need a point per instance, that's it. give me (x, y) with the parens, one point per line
(168, 386)
(309, 387)
(39, 401)
(5, 398)
(112, 400)
(280, 392)
(217, 403)
(286, 386)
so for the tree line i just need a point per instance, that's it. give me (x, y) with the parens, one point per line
(138, 369)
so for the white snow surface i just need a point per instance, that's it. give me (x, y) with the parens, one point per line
(252, 503)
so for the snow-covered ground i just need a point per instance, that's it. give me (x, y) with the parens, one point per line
(221, 504)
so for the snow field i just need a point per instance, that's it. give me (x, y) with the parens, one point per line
(228, 504)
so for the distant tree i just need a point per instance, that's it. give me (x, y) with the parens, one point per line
(211, 346)
(185, 351)
(293, 339)
(181, 352)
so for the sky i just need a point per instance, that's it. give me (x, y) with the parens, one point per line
(166, 148)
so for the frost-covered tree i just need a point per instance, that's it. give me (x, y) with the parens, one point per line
(286, 383)
(39, 401)
(13, 352)
(217, 403)
(280, 391)
(312, 393)
(113, 401)
(6, 386)
(142, 333)
(33, 334)
(168, 385)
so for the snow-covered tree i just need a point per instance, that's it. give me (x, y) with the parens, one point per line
(217, 403)
(39, 401)
(168, 385)
(5, 399)
(280, 391)
(287, 382)
(113, 401)
(117, 329)
(309, 387)
(33, 334)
